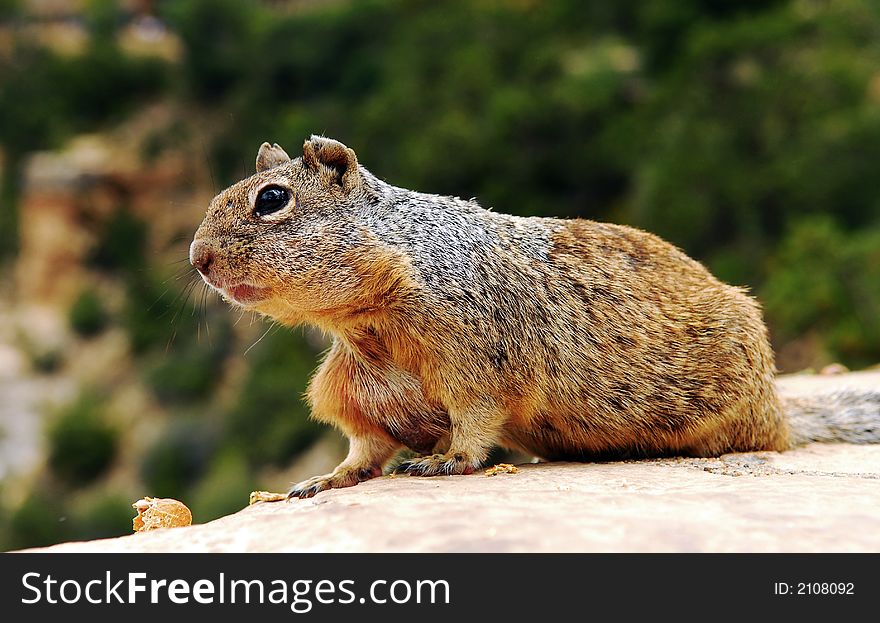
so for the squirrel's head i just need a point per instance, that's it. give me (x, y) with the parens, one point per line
(292, 241)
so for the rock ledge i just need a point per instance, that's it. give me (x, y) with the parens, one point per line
(819, 498)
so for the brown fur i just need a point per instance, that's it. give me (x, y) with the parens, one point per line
(456, 328)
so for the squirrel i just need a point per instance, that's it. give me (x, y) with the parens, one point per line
(455, 328)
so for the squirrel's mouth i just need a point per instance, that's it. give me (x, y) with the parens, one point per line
(241, 293)
(246, 294)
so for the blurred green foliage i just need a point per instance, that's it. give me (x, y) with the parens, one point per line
(745, 131)
(225, 487)
(41, 519)
(121, 243)
(176, 460)
(149, 314)
(82, 443)
(87, 315)
(214, 64)
(46, 98)
(189, 373)
(101, 514)
(52, 512)
(824, 283)
(269, 422)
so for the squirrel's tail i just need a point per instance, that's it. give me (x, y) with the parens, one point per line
(846, 414)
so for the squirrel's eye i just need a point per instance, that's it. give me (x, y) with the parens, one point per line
(271, 199)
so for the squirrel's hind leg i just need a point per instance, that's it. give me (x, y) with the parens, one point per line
(474, 431)
(367, 455)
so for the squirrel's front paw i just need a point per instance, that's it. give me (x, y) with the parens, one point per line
(342, 477)
(438, 465)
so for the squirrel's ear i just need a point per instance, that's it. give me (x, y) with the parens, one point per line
(339, 159)
(270, 156)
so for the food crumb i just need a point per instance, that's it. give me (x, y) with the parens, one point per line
(501, 468)
(155, 513)
(265, 496)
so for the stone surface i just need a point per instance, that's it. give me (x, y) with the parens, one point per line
(819, 498)
(803, 384)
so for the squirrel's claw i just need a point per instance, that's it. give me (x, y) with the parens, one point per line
(437, 465)
(310, 488)
(341, 478)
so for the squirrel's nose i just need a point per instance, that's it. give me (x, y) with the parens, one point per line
(201, 256)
